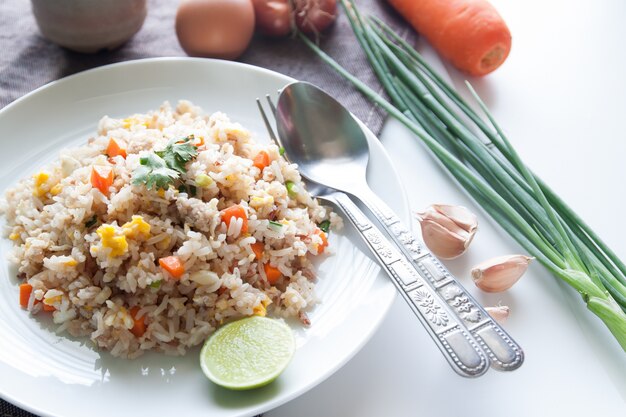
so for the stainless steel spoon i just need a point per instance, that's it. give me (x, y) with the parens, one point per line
(458, 347)
(331, 149)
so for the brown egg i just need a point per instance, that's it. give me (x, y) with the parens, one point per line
(215, 28)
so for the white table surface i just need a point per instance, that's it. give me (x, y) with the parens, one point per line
(561, 96)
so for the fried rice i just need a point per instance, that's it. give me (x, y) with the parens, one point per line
(93, 257)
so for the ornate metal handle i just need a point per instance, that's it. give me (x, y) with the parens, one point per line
(504, 353)
(451, 336)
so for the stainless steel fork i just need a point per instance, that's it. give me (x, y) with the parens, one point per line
(445, 328)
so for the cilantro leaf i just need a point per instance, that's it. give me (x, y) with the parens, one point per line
(160, 169)
(178, 152)
(154, 172)
(324, 226)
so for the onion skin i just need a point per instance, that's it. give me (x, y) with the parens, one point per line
(315, 16)
(274, 18)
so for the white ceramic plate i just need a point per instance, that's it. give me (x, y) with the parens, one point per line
(51, 374)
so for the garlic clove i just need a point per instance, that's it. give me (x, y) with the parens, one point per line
(459, 214)
(443, 221)
(444, 243)
(447, 230)
(498, 313)
(500, 273)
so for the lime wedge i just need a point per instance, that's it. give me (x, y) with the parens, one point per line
(247, 353)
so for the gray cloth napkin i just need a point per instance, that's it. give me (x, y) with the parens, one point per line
(28, 61)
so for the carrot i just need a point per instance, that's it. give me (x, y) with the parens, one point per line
(272, 273)
(257, 248)
(235, 211)
(25, 290)
(173, 265)
(139, 325)
(324, 245)
(469, 33)
(261, 160)
(115, 149)
(102, 178)
(46, 307)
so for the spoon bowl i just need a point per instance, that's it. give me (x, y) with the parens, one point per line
(324, 139)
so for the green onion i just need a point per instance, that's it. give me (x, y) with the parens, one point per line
(292, 189)
(324, 226)
(91, 222)
(190, 190)
(156, 284)
(203, 180)
(273, 223)
(480, 157)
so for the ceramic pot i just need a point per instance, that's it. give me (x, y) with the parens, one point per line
(89, 25)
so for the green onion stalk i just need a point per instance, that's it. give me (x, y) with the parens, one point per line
(481, 159)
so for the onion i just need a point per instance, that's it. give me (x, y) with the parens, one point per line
(279, 17)
(315, 16)
(273, 17)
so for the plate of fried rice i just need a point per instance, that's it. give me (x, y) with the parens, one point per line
(143, 206)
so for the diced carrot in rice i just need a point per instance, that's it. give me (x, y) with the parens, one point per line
(25, 291)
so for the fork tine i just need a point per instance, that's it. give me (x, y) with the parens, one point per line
(268, 125)
(271, 103)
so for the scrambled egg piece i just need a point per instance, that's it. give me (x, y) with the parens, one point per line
(52, 296)
(163, 244)
(56, 190)
(237, 132)
(132, 121)
(257, 202)
(261, 309)
(118, 244)
(41, 183)
(71, 262)
(231, 179)
(136, 227)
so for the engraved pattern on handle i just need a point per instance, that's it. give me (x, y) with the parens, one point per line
(451, 336)
(504, 353)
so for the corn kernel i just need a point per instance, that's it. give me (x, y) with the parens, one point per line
(14, 236)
